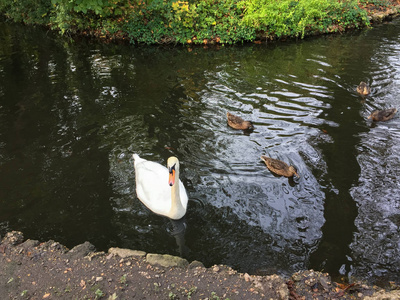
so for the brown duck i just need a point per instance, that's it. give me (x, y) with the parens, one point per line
(383, 115)
(363, 89)
(238, 123)
(279, 167)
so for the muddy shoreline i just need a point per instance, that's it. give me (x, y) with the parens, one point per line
(30, 269)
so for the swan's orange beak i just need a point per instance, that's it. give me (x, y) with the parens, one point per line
(171, 180)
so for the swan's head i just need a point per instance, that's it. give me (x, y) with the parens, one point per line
(173, 167)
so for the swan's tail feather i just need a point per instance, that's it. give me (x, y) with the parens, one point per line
(135, 156)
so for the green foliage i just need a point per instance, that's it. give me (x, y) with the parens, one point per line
(171, 296)
(80, 15)
(384, 3)
(123, 279)
(27, 11)
(99, 7)
(191, 21)
(98, 294)
(297, 18)
(179, 21)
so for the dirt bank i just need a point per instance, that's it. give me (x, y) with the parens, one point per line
(30, 269)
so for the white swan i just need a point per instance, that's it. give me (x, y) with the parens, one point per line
(158, 189)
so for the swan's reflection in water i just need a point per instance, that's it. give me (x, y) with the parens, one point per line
(178, 230)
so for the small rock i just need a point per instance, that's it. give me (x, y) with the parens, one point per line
(126, 252)
(215, 269)
(196, 264)
(81, 250)
(166, 260)
(296, 276)
(13, 238)
(92, 255)
(324, 282)
(247, 277)
(99, 279)
(30, 244)
(384, 295)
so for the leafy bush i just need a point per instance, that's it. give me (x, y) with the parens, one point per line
(27, 11)
(184, 22)
(190, 21)
(79, 15)
(296, 18)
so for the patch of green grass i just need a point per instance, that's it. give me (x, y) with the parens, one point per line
(191, 292)
(214, 296)
(99, 294)
(122, 280)
(156, 287)
(171, 296)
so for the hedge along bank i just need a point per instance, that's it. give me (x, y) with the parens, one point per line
(195, 21)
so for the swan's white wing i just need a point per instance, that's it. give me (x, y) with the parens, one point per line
(152, 186)
(183, 195)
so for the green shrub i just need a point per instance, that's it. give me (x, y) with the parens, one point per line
(27, 11)
(191, 21)
(80, 15)
(297, 18)
(184, 22)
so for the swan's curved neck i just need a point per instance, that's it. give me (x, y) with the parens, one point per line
(177, 210)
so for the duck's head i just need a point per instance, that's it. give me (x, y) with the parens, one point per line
(294, 171)
(249, 125)
(173, 167)
(373, 115)
(363, 89)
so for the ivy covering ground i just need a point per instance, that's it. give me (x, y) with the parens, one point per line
(194, 21)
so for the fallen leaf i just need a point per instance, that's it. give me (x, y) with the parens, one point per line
(83, 284)
(46, 295)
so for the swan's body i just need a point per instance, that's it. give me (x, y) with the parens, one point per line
(383, 115)
(159, 188)
(363, 89)
(279, 167)
(238, 123)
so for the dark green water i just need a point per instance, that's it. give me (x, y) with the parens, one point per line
(73, 113)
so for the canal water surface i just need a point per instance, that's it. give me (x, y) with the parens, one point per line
(72, 113)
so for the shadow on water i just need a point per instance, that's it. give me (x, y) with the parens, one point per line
(72, 115)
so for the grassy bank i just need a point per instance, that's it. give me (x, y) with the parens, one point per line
(193, 21)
